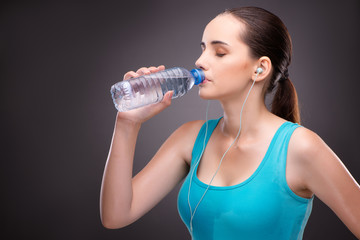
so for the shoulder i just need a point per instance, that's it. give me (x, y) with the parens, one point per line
(184, 137)
(190, 129)
(311, 157)
(187, 131)
(305, 144)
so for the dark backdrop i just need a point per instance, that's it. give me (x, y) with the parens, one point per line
(58, 60)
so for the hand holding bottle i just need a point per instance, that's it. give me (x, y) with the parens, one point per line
(142, 114)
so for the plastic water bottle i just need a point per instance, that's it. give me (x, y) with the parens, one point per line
(151, 88)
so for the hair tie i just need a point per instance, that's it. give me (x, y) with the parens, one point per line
(284, 76)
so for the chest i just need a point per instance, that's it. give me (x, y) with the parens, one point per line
(232, 165)
(220, 166)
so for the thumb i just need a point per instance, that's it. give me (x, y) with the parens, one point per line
(165, 102)
(167, 98)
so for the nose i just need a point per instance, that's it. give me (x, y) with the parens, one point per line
(201, 63)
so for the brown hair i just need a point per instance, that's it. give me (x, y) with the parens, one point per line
(266, 35)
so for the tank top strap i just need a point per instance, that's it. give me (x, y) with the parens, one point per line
(278, 157)
(201, 142)
(280, 147)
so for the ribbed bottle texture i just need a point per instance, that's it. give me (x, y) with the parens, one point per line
(148, 89)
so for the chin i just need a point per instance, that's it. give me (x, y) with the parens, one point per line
(207, 95)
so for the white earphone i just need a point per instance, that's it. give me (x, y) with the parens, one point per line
(259, 70)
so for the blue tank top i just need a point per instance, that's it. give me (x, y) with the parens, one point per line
(261, 207)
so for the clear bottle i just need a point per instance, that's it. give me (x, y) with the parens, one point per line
(148, 89)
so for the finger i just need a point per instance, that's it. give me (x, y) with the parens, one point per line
(167, 98)
(130, 74)
(161, 67)
(153, 69)
(165, 102)
(143, 71)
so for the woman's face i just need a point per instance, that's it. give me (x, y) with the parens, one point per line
(225, 59)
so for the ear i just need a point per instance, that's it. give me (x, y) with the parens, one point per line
(265, 64)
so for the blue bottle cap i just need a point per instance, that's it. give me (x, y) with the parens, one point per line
(198, 75)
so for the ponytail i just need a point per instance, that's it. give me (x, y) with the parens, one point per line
(285, 101)
(266, 35)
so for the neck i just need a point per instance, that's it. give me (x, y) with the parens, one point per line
(254, 112)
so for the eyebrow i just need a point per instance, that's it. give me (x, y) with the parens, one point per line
(202, 44)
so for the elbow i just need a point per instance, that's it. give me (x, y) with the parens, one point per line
(115, 218)
(114, 223)
(110, 225)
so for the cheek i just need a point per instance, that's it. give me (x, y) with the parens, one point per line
(234, 70)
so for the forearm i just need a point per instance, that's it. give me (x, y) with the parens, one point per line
(116, 189)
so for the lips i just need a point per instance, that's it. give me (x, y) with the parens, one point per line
(205, 81)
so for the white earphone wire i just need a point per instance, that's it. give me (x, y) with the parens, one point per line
(202, 151)
(192, 214)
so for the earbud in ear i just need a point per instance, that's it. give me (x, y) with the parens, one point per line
(259, 70)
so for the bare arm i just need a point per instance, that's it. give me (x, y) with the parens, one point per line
(116, 189)
(327, 177)
(123, 198)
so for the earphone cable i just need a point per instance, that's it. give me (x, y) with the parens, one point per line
(192, 214)
(202, 151)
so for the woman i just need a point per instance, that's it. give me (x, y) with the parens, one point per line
(255, 185)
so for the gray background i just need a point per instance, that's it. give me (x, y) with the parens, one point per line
(58, 60)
